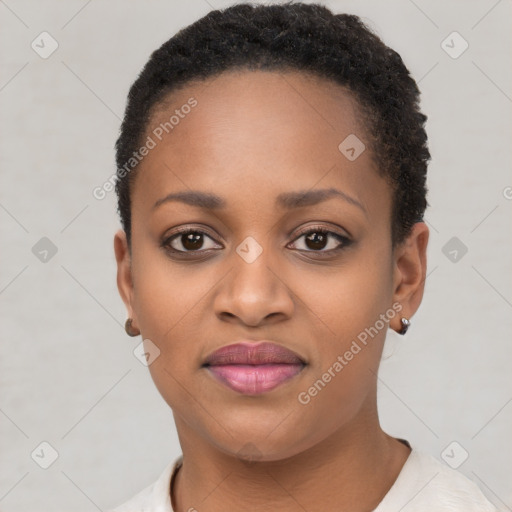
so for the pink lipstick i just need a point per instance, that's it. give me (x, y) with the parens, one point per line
(253, 368)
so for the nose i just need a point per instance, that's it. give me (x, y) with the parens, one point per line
(254, 294)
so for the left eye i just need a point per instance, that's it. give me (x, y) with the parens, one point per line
(315, 240)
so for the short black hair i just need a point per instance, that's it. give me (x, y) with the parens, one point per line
(301, 37)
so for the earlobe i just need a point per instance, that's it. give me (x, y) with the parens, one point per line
(124, 273)
(410, 267)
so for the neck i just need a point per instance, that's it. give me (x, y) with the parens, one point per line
(352, 469)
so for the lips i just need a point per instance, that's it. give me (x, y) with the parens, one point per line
(260, 353)
(253, 368)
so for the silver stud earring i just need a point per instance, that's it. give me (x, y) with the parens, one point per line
(405, 325)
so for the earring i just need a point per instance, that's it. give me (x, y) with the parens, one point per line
(129, 328)
(405, 325)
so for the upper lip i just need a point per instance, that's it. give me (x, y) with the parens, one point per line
(245, 352)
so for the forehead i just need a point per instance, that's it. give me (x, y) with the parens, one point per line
(255, 131)
(261, 107)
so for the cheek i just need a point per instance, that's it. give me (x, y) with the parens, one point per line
(167, 294)
(349, 348)
(170, 303)
(351, 309)
(345, 301)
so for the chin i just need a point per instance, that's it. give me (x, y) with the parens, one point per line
(256, 445)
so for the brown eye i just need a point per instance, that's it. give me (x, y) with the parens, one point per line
(320, 240)
(316, 240)
(191, 240)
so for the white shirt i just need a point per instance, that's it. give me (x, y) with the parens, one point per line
(423, 485)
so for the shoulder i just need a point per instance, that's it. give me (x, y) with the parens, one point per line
(155, 497)
(425, 484)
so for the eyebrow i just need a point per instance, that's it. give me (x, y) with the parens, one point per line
(286, 200)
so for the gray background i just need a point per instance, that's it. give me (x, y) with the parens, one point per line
(68, 375)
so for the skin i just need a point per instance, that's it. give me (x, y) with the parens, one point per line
(252, 136)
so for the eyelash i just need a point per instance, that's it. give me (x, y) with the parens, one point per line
(343, 240)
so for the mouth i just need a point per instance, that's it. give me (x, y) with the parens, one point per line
(253, 368)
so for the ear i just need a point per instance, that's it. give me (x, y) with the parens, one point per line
(124, 272)
(410, 270)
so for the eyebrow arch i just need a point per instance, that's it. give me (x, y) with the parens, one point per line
(311, 197)
(194, 198)
(287, 200)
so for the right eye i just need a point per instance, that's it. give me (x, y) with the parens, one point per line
(187, 240)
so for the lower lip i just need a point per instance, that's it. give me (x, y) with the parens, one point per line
(255, 379)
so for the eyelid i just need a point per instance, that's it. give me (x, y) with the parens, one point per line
(325, 229)
(187, 229)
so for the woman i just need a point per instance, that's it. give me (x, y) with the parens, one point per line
(271, 184)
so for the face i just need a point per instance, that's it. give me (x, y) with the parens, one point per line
(295, 248)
